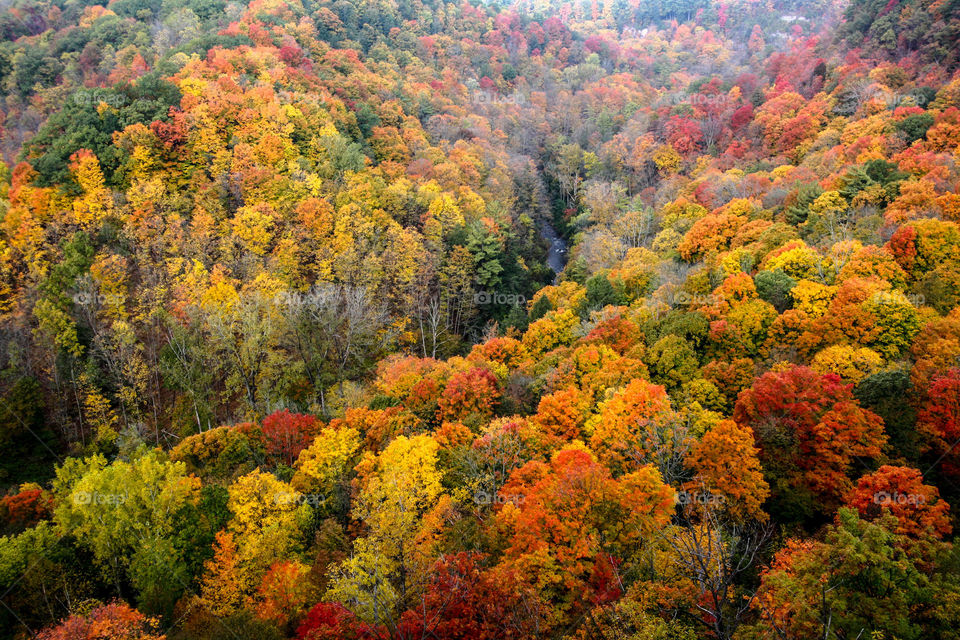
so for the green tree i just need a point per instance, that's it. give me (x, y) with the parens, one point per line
(127, 513)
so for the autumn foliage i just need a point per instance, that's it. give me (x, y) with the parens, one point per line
(432, 319)
(811, 427)
(106, 622)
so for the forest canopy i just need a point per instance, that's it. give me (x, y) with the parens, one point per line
(476, 320)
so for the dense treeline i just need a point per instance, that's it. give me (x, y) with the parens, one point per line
(282, 356)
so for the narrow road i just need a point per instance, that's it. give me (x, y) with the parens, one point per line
(557, 251)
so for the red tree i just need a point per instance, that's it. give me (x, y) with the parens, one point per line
(939, 419)
(465, 602)
(333, 621)
(684, 135)
(26, 508)
(809, 429)
(287, 434)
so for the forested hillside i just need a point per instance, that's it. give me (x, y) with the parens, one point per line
(390, 319)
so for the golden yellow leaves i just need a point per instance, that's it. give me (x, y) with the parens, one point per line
(97, 201)
(326, 461)
(253, 227)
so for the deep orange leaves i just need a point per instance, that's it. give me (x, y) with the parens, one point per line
(116, 621)
(475, 391)
(900, 491)
(572, 522)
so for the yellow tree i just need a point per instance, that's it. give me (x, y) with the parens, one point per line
(266, 522)
(322, 467)
(850, 363)
(401, 503)
(96, 203)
